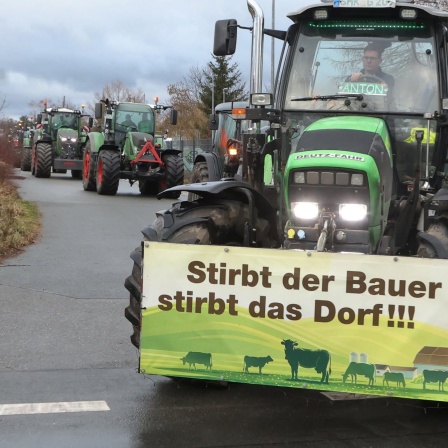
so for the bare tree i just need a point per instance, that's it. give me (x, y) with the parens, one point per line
(184, 97)
(118, 91)
(2, 103)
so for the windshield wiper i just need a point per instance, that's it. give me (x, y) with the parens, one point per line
(328, 97)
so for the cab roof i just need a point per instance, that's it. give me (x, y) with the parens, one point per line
(296, 16)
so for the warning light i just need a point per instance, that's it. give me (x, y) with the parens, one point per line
(239, 114)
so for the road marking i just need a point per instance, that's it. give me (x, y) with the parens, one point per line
(53, 408)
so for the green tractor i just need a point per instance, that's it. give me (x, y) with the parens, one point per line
(128, 148)
(58, 143)
(357, 145)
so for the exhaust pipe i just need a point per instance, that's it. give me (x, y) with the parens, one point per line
(256, 68)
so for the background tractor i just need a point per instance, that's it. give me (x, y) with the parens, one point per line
(128, 148)
(228, 124)
(58, 143)
(355, 164)
(225, 160)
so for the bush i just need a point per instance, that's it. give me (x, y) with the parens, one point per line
(6, 157)
(19, 220)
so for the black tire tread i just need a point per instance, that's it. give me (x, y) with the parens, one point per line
(111, 172)
(174, 174)
(199, 175)
(25, 161)
(43, 167)
(133, 285)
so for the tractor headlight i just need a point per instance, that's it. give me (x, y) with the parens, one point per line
(261, 99)
(63, 139)
(73, 139)
(305, 210)
(352, 212)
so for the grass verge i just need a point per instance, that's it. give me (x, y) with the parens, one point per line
(19, 220)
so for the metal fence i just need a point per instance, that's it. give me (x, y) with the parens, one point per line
(190, 148)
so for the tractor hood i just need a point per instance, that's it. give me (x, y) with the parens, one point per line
(338, 161)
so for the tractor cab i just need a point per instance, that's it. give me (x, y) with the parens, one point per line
(364, 96)
(348, 61)
(136, 119)
(359, 133)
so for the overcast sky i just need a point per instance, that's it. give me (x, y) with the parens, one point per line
(53, 49)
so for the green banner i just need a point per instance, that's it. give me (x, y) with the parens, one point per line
(333, 322)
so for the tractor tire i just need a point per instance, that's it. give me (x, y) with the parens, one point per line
(205, 222)
(88, 170)
(438, 229)
(25, 162)
(148, 187)
(108, 172)
(174, 173)
(33, 161)
(221, 222)
(77, 174)
(43, 160)
(134, 285)
(198, 176)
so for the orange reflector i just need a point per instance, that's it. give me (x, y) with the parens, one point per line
(239, 114)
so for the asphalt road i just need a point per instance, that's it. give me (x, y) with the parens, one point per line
(68, 371)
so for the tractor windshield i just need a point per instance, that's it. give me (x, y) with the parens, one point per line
(135, 117)
(364, 66)
(64, 119)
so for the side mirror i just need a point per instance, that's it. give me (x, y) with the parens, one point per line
(213, 122)
(225, 37)
(173, 117)
(90, 122)
(39, 119)
(98, 110)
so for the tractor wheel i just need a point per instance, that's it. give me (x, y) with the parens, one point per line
(108, 172)
(77, 174)
(199, 175)
(438, 229)
(174, 173)
(33, 161)
(42, 160)
(25, 162)
(148, 187)
(133, 285)
(219, 222)
(88, 170)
